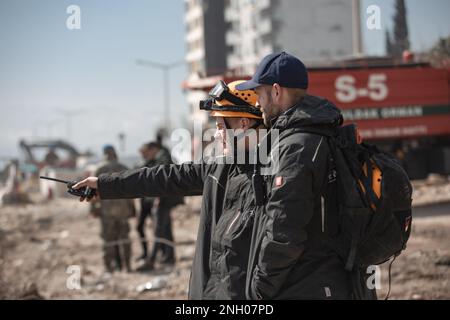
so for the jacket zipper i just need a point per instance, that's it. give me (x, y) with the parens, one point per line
(322, 205)
(233, 221)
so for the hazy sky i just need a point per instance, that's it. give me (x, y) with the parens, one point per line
(47, 70)
(427, 21)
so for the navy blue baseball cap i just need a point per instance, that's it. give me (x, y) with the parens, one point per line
(282, 68)
(108, 148)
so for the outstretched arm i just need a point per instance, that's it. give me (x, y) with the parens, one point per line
(164, 180)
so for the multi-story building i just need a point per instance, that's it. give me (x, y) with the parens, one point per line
(233, 35)
(205, 40)
(315, 31)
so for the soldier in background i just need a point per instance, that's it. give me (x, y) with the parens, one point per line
(148, 152)
(163, 222)
(51, 158)
(114, 215)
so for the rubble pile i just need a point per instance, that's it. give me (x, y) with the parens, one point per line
(52, 250)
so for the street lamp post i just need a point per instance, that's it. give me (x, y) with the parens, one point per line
(356, 26)
(165, 67)
(69, 114)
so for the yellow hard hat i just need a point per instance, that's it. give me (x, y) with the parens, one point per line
(248, 96)
(229, 102)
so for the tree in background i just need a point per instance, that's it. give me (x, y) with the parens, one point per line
(399, 42)
(439, 55)
(388, 43)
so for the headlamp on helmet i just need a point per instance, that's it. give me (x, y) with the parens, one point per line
(222, 92)
(218, 90)
(207, 104)
(225, 100)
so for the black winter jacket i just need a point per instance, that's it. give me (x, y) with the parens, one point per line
(223, 240)
(289, 256)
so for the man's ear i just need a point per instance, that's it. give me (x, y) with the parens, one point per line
(276, 91)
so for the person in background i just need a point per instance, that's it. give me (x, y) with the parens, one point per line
(114, 215)
(148, 152)
(162, 217)
(51, 158)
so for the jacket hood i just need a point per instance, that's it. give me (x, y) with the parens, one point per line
(311, 111)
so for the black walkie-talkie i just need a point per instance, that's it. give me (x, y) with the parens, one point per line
(84, 192)
(258, 188)
(258, 181)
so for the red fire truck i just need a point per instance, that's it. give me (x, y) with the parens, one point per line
(402, 108)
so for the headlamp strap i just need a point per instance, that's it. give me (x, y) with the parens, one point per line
(233, 99)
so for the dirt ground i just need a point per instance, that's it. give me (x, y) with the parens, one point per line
(45, 246)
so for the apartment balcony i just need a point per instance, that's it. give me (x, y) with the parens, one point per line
(232, 37)
(263, 4)
(231, 14)
(193, 14)
(194, 34)
(265, 50)
(234, 61)
(195, 55)
(264, 26)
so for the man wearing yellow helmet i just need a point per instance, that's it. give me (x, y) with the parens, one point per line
(233, 109)
(228, 207)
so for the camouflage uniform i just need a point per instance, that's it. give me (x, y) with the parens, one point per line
(115, 228)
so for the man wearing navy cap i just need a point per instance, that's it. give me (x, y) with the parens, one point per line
(279, 76)
(290, 258)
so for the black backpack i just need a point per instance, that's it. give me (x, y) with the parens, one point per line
(371, 194)
(368, 196)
